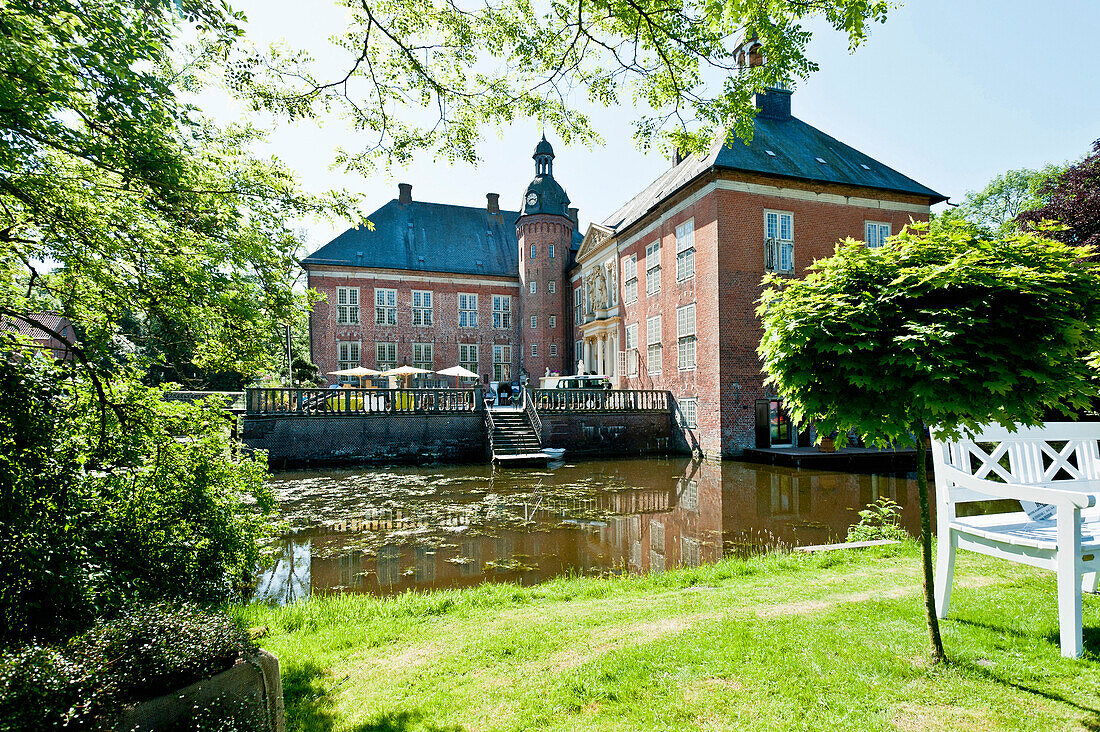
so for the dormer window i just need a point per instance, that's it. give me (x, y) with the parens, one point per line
(821, 160)
(770, 153)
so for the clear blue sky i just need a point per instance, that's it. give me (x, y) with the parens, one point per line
(948, 92)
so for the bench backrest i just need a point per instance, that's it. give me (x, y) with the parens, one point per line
(1054, 451)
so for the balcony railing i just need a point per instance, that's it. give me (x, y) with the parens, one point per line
(601, 400)
(362, 401)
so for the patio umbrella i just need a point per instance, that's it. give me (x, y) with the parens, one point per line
(358, 371)
(457, 372)
(405, 372)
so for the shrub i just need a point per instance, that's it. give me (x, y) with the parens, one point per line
(142, 653)
(878, 521)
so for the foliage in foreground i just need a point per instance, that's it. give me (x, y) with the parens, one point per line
(880, 520)
(941, 327)
(143, 653)
(163, 511)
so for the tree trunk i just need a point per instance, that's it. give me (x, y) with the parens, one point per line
(938, 656)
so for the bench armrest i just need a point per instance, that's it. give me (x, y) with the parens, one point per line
(1071, 494)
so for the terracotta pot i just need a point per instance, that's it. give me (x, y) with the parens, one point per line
(827, 445)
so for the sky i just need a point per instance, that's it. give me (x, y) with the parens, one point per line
(949, 92)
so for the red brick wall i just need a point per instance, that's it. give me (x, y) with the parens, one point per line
(542, 230)
(445, 333)
(818, 226)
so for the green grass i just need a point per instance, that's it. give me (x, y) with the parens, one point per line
(787, 642)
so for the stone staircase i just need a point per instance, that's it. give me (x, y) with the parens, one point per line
(513, 437)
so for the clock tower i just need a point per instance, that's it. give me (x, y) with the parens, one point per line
(545, 233)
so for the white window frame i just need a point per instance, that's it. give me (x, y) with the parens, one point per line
(385, 355)
(534, 322)
(468, 359)
(467, 310)
(347, 305)
(553, 349)
(422, 308)
(875, 233)
(423, 356)
(502, 312)
(532, 287)
(654, 345)
(685, 337)
(551, 287)
(653, 268)
(551, 250)
(502, 363)
(552, 321)
(630, 349)
(685, 250)
(385, 306)
(534, 349)
(630, 279)
(348, 354)
(578, 351)
(578, 306)
(689, 412)
(534, 251)
(779, 225)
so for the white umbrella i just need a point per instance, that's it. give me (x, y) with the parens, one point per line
(358, 371)
(405, 371)
(457, 372)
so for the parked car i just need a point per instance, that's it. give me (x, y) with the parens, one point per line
(580, 381)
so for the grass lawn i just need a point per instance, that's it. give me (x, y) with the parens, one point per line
(788, 642)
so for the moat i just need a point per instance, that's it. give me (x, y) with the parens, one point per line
(388, 530)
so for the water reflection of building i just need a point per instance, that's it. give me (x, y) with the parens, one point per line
(586, 519)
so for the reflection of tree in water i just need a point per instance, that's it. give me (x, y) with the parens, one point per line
(288, 579)
(390, 530)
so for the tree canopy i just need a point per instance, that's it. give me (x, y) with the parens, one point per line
(1073, 200)
(432, 74)
(996, 207)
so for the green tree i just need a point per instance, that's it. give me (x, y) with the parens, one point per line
(996, 207)
(948, 328)
(432, 74)
(1072, 198)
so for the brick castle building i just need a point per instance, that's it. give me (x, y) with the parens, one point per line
(660, 295)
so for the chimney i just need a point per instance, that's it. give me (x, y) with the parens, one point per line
(677, 157)
(574, 216)
(404, 193)
(493, 202)
(774, 103)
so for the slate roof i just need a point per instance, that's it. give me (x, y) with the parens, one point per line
(431, 237)
(796, 145)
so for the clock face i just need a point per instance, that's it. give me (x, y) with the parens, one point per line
(532, 199)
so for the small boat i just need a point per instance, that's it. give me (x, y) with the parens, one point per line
(554, 453)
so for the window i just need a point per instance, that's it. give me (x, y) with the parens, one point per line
(578, 306)
(532, 287)
(654, 352)
(689, 413)
(551, 287)
(347, 356)
(553, 321)
(653, 268)
(347, 307)
(385, 307)
(534, 251)
(630, 344)
(685, 336)
(502, 311)
(422, 356)
(630, 279)
(534, 322)
(502, 363)
(386, 356)
(875, 233)
(467, 310)
(779, 230)
(553, 349)
(578, 351)
(551, 253)
(422, 307)
(467, 358)
(534, 349)
(685, 250)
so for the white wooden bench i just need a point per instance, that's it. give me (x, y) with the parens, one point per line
(1054, 471)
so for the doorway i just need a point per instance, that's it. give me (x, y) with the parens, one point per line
(773, 424)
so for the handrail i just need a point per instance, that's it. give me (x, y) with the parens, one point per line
(318, 402)
(490, 427)
(532, 413)
(601, 400)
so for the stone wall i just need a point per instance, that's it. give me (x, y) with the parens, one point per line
(612, 433)
(294, 441)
